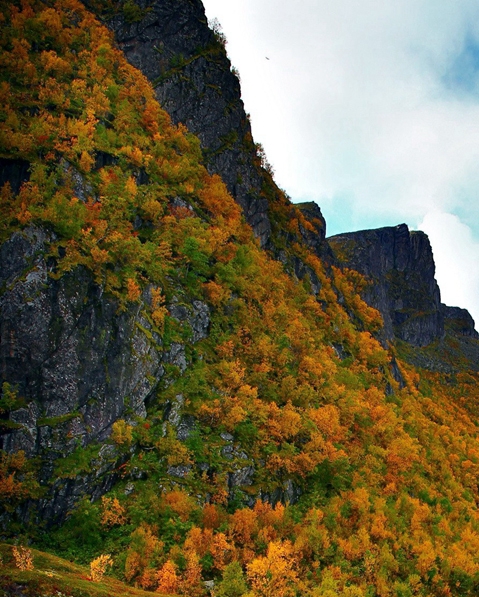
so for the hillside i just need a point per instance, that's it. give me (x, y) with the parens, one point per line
(45, 574)
(195, 380)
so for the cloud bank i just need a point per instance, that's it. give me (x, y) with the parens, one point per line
(370, 109)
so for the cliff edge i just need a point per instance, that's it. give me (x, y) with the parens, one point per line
(399, 267)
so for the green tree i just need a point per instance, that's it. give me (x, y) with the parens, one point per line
(233, 583)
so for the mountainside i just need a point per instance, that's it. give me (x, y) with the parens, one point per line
(171, 43)
(195, 379)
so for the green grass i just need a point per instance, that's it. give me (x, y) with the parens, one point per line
(55, 577)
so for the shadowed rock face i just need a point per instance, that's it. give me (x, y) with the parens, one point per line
(73, 360)
(175, 49)
(15, 172)
(313, 238)
(400, 266)
(78, 364)
(459, 321)
(67, 350)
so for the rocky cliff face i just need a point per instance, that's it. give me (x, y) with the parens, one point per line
(78, 363)
(315, 234)
(64, 345)
(459, 321)
(171, 43)
(400, 268)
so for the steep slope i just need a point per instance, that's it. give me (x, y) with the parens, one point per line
(243, 427)
(79, 350)
(171, 43)
(194, 81)
(114, 216)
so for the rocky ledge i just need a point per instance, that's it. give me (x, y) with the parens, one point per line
(77, 364)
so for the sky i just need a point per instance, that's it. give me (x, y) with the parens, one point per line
(370, 109)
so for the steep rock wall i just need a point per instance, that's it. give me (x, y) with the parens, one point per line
(64, 346)
(78, 364)
(399, 266)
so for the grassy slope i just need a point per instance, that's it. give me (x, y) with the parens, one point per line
(52, 576)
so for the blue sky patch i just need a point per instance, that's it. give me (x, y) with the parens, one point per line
(462, 77)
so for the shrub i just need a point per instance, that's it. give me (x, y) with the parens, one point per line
(23, 557)
(98, 567)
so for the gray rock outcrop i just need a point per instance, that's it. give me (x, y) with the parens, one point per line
(67, 350)
(459, 321)
(77, 363)
(399, 265)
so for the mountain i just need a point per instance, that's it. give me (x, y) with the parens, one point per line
(196, 380)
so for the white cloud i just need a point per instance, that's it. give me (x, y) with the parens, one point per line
(456, 254)
(363, 106)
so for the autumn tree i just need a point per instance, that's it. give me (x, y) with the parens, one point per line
(142, 556)
(98, 567)
(276, 574)
(168, 579)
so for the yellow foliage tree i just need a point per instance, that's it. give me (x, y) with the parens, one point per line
(276, 574)
(168, 579)
(145, 548)
(98, 567)
(113, 512)
(121, 433)
(23, 557)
